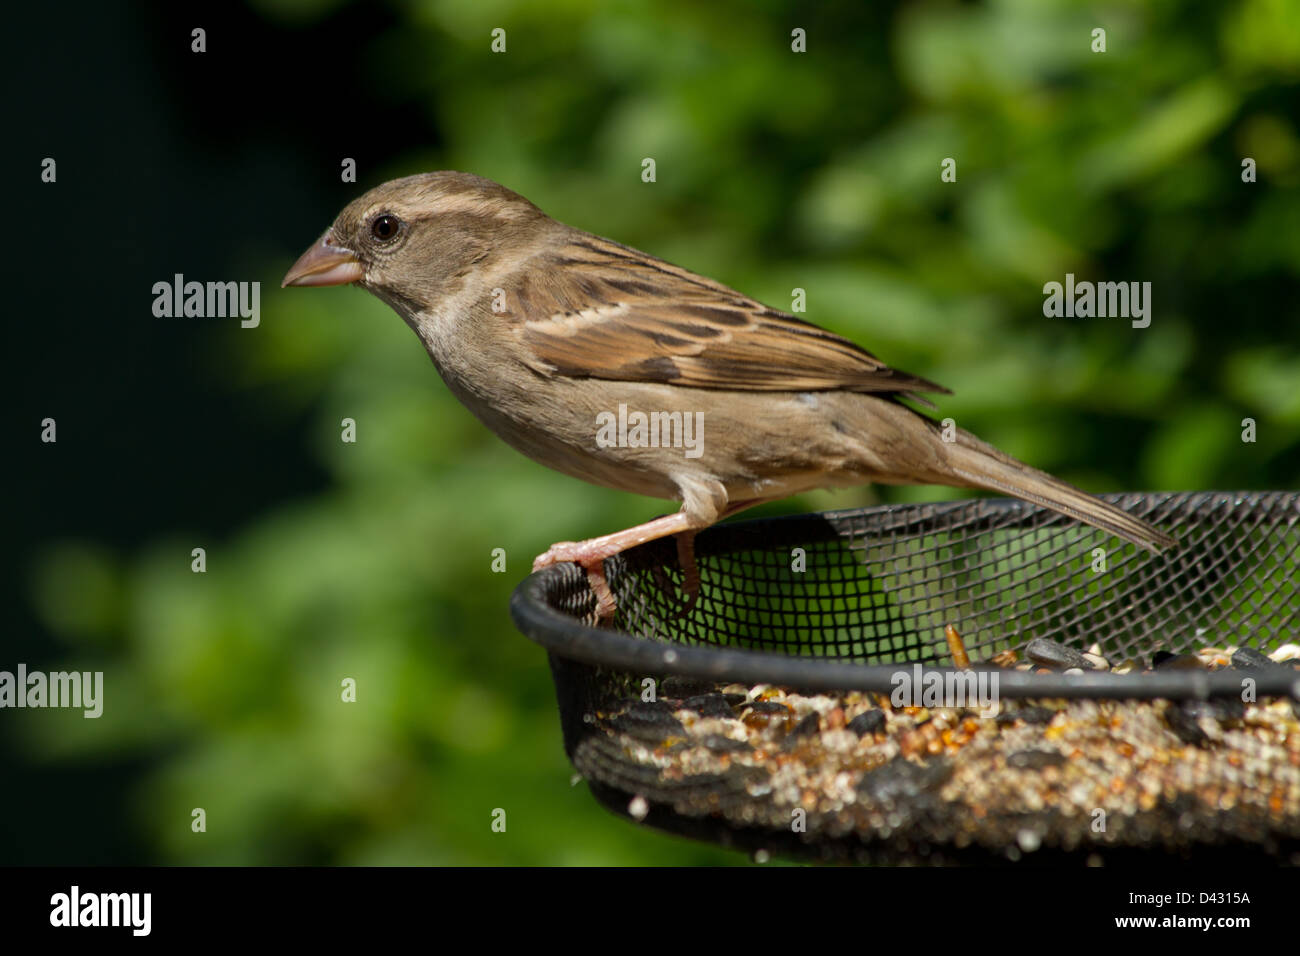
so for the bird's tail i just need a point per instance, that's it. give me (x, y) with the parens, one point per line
(977, 464)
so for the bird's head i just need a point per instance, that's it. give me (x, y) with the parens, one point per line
(413, 240)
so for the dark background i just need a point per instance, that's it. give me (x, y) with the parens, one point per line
(775, 170)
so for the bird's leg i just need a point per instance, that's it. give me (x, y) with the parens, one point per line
(591, 554)
(686, 555)
(690, 571)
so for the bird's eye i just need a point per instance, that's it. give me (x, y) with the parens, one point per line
(385, 227)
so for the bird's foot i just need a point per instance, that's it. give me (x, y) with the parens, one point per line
(590, 556)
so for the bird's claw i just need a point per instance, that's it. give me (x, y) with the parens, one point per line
(561, 552)
(590, 560)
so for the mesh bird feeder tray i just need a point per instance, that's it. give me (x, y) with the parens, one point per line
(765, 714)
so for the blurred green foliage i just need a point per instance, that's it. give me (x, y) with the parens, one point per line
(775, 170)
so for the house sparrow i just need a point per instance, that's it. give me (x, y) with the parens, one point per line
(557, 340)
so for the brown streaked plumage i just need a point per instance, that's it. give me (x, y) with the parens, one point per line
(596, 309)
(539, 329)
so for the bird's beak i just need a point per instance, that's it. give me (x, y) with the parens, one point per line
(326, 263)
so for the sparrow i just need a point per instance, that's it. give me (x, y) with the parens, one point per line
(549, 334)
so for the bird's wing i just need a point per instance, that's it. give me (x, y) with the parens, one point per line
(596, 309)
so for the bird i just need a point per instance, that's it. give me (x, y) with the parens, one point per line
(585, 354)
